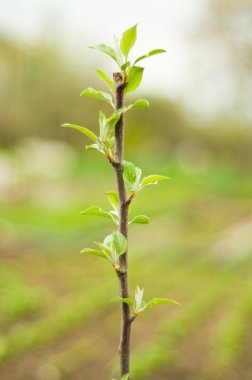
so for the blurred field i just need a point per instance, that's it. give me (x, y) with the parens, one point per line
(57, 321)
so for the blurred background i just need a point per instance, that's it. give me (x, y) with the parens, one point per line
(56, 319)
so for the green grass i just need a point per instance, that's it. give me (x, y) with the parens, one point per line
(70, 313)
(227, 343)
(17, 298)
(73, 357)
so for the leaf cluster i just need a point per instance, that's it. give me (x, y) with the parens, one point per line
(131, 76)
(113, 246)
(138, 305)
(133, 178)
(113, 214)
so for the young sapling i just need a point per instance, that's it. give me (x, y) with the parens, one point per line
(129, 179)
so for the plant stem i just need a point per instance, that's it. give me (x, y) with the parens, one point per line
(124, 346)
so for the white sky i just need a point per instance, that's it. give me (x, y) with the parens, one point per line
(167, 24)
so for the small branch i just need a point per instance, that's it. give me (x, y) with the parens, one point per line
(111, 160)
(132, 318)
(124, 346)
(119, 128)
(119, 272)
(129, 199)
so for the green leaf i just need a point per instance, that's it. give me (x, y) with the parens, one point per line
(124, 300)
(108, 240)
(119, 55)
(95, 147)
(125, 376)
(102, 119)
(94, 252)
(106, 79)
(153, 179)
(83, 130)
(115, 216)
(103, 247)
(125, 65)
(139, 303)
(138, 178)
(102, 124)
(141, 219)
(135, 78)
(113, 199)
(156, 301)
(112, 120)
(140, 103)
(129, 172)
(128, 40)
(107, 127)
(106, 50)
(95, 210)
(109, 142)
(119, 243)
(152, 52)
(91, 93)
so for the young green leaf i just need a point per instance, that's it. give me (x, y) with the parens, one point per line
(113, 199)
(153, 179)
(138, 178)
(125, 65)
(94, 252)
(104, 248)
(106, 50)
(102, 124)
(95, 210)
(152, 52)
(106, 79)
(83, 130)
(119, 55)
(156, 301)
(128, 40)
(114, 212)
(135, 78)
(139, 303)
(124, 300)
(140, 103)
(95, 147)
(141, 219)
(118, 243)
(102, 95)
(112, 120)
(125, 376)
(129, 172)
(115, 216)
(109, 142)
(108, 240)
